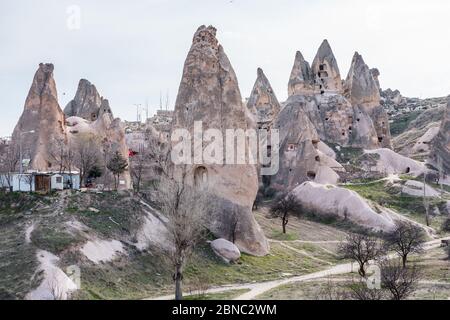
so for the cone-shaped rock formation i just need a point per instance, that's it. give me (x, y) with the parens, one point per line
(262, 102)
(209, 92)
(41, 124)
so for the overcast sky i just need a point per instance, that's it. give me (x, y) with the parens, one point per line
(133, 50)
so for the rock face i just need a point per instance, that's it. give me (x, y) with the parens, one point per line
(87, 102)
(42, 121)
(300, 157)
(360, 85)
(209, 92)
(342, 203)
(109, 133)
(363, 91)
(301, 81)
(390, 162)
(325, 70)
(226, 250)
(441, 145)
(416, 140)
(337, 121)
(354, 120)
(263, 103)
(416, 189)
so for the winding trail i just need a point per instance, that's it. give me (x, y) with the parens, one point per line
(258, 288)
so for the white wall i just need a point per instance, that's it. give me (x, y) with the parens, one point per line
(20, 183)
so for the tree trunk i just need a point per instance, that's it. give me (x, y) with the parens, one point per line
(404, 260)
(178, 277)
(285, 222)
(361, 271)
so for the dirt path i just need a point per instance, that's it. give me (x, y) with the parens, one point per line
(256, 289)
(304, 253)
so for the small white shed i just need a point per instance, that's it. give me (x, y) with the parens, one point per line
(57, 182)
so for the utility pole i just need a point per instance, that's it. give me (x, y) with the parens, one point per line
(137, 111)
(425, 200)
(167, 100)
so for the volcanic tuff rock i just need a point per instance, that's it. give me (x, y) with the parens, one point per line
(301, 80)
(209, 92)
(357, 123)
(360, 86)
(300, 157)
(263, 103)
(107, 132)
(331, 201)
(87, 103)
(337, 121)
(42, 115)
(416, 139)
(325, 69)
(440, 154)
(363, 91)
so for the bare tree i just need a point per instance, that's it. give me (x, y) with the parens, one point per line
(405, 239)
(360, 291)
(58, 153)
(27, 179)
(9, 161)
(399, 281)
(137, 166)
(330, 292)
(361, 248)
(233, 223)
(258, 200)
(183, 208)
(86, 155)
(283, 206)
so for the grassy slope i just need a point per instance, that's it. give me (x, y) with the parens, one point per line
(388, 196)
(138, 275)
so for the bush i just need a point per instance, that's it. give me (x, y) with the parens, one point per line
(446, 225)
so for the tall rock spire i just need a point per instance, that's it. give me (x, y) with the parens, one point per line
(42, 122)
(301, 79)
(262, 102)
(326, 70)
(87, 102)
(360, 86)
(209, 92)
(441, 144)
(363, 91)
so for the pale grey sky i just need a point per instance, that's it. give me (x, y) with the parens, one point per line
(132, 50)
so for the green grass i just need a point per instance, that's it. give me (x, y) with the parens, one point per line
(138, 277)
(118, 214)
(279, 262)
(54, 240)
(280, 236)
(18, 262)
(402, 122)
(391, 197)
(318, 252)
